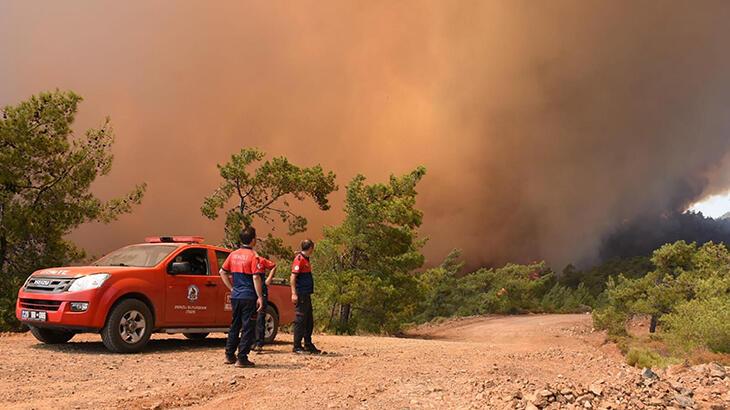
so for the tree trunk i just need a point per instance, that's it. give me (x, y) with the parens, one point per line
(3, 239)
(3, 252)
(332, 316)
(344, 316)
(653, 323)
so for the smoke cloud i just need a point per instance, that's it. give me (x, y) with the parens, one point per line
(545, 126)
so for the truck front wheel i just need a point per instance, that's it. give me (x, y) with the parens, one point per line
(128, 327)
(51, 336)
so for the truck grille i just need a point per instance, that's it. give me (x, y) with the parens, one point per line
(38, 304)
(48, 285)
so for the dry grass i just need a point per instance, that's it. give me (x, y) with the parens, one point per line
(705, 356)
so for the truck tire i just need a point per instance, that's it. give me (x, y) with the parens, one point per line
(51, 336)
(128, 327)
(271, 324)
(195, 336)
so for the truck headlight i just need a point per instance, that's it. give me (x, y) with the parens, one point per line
(89, 282)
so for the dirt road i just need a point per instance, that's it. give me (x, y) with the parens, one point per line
(486, 362)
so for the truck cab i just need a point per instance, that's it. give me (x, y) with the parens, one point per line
(165, 285)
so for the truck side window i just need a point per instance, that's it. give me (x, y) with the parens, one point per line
(197, 258)
(221, 256)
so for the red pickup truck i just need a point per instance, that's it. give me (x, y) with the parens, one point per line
(166, 285)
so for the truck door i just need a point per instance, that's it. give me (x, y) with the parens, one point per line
(223, 303)
(191, 295)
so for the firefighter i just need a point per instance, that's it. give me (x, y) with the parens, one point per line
(302, 287)
(262, 265)
(246, 297)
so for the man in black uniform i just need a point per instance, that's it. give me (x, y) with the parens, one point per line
(262, 265)
(302, 287)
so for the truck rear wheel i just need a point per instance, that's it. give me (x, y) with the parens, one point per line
(51, 336)
(128, 327)
(195, 336)
(271, 324)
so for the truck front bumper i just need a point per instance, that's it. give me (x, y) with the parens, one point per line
(57, 312)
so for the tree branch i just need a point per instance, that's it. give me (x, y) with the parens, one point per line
(241, 206)
(266, 205)
(284, 211)
(50, 185)
(34, 127)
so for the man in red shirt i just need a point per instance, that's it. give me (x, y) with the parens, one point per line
(302, 287)
(246, 297)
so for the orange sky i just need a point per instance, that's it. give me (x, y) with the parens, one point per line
(542, 124)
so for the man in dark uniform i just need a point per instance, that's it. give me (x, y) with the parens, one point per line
(302, 287)
(262, 265)
(246, 297)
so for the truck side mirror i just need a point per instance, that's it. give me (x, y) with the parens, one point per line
(177, 268)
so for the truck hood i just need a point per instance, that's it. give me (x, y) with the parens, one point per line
(79, 271)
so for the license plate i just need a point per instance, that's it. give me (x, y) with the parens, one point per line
(36, 315)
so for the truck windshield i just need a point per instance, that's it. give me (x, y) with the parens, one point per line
(144, 256)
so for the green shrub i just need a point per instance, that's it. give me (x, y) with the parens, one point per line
(510, 289)
(440, 295)
(594, 279)
(700, 323)
(688, 292)
(562, 299)
(641, 357)
(610, 319)
(8, 295)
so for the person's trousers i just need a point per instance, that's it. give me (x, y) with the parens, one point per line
(261, 323)
(304, 321)
(241, 333)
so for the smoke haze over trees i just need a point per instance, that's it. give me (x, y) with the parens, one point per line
(640, 237)
(546, 127)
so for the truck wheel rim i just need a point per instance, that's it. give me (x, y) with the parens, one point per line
(132, 327)
(269, 325)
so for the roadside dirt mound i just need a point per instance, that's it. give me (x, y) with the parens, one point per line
(533, 361)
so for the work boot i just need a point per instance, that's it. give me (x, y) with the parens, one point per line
(245, 363)
(230, 359)
(311, 348)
